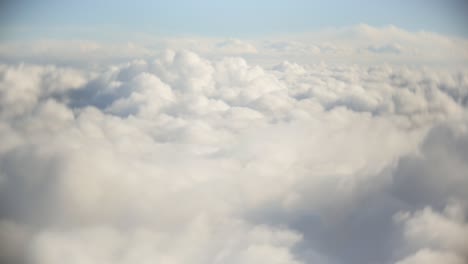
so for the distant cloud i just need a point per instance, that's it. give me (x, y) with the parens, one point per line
(345, 45)
(389, 48)
(235, 46)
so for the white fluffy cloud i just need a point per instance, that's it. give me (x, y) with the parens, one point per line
(184, 158)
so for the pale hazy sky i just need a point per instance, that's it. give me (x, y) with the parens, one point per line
(66, 19)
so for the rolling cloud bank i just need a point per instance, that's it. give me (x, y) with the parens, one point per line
(207, 151)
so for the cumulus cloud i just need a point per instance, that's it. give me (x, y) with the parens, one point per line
(189, 158)
(236, 46)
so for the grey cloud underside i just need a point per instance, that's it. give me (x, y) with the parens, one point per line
(182, 159)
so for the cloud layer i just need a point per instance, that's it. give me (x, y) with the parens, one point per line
(185, 158)
(359, 44)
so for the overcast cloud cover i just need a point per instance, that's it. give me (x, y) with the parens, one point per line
(348, 145)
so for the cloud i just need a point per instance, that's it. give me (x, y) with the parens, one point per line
(361, 44)
(194, 245)
(446, 231)
(189, 158)
(236, 46)
(23, 85)
(427, 256)
(388, 48)
(439, 236)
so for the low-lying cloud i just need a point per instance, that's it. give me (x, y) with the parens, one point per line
(185, 158)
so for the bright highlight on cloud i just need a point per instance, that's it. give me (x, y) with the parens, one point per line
(238, 154)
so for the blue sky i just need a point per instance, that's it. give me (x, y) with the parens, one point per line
(241, 18)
